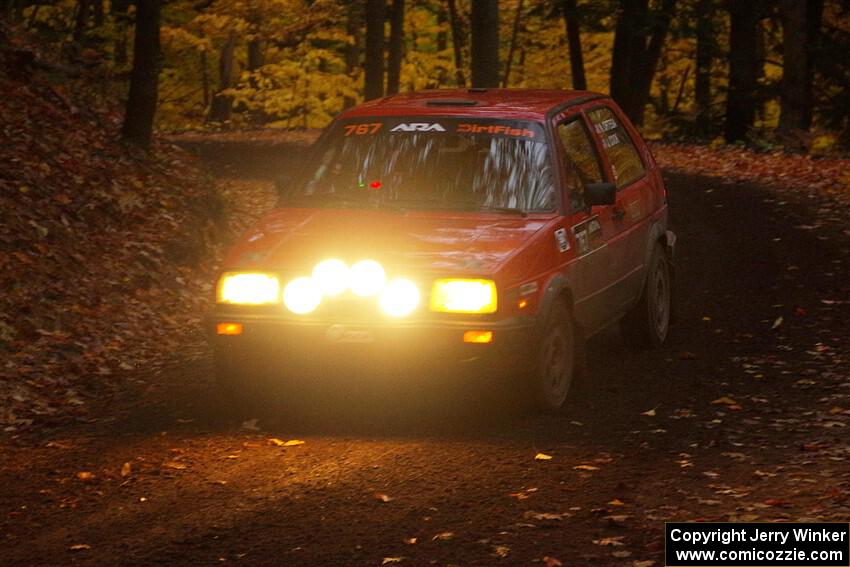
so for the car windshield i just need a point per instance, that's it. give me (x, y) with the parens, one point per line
(430, 163)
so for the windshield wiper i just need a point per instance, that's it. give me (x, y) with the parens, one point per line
(508, 210)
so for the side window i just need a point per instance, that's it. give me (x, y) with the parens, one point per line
(581, 160)
(624, 158)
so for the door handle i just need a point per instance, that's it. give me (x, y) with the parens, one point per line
(617, 213)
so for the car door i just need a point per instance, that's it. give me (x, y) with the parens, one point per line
(630, 213)
(590, 228)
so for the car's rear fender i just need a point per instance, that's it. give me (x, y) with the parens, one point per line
(658, 234)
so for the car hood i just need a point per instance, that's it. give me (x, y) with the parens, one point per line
(473, 243)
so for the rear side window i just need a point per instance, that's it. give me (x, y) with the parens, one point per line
(624, 158)
(581, 160)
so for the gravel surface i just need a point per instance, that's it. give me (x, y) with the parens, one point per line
(742, 416)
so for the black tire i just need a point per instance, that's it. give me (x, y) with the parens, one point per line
(236, 390)
(648, 323)
(555, 363)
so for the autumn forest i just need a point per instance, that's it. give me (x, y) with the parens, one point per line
(769, 73)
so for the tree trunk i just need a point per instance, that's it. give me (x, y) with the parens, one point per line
(485, 43)
(814, 20)
(144, 79)
(121, 20)
(205, 78)
(222, 105)
(97, 12)
(512, 48)
(352, 50)
(743, 69)
(638, 40)
(396, 47)
(374, 64)
(704, 56)
(793, 96)
(81, 19)
(458, 41)
(574, 42)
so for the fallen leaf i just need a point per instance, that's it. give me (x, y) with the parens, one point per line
(410, 540)
(532, 515)
(277, 442)
(644, 563)
(388, 560)
(586, 468)
(79, 547)
(616, 502)
(610, 541)
(293, 443)
(542, 457)
(777, 323)
(501, 550)
(174, 465)
(126, 469)
(725, 400)
(443, 536)
(621, 554)
(85, 476)
(551, 562)
(649, 413)
(382, 497)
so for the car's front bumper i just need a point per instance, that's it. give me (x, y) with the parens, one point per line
(324, 346)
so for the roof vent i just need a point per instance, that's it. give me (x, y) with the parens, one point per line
(451, 102)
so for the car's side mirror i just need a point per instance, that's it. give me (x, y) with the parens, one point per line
(600, 194)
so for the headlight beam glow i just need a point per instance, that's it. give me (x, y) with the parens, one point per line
(332, 276)
(400, 297)
(247, 288)
(301, 296)
(464, 296)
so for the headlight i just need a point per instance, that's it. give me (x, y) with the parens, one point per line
(332, 276)
(463, 296)
(399, 298)
(367, 278)
(301, 295)
(248, 288)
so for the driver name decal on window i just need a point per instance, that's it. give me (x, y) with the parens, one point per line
(467, 128)
(418, 127)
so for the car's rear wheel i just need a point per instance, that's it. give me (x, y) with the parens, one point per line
(648, 323)
(556, 360)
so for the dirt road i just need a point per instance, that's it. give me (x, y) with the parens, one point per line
(741, 417)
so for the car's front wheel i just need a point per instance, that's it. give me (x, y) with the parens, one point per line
(236, 389)
(556, 360)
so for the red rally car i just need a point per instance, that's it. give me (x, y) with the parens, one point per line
(489, 230)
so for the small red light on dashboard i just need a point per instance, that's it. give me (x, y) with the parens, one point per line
(480, 337)
(228, 329)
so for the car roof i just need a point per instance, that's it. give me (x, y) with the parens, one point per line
(523, 104)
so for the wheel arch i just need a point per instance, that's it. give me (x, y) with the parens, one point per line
(558, 288)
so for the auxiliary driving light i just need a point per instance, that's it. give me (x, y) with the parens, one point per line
(301, 295)
(399, 298)
(246, 288)
(367, 278)
(332, 276)
(463, 296)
